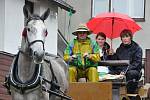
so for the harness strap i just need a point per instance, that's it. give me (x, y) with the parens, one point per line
(57, 90)
(12, 79)
(57, 94)
(31, 43)
(54, 82)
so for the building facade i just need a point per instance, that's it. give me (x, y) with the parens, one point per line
(85, 10)
(12, 23)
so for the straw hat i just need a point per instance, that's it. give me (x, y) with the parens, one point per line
(82, 28)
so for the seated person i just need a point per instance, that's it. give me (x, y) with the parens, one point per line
(128, 50)
(82, 55)
(104, 46)
(104, 49)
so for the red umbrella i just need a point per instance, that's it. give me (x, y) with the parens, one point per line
(112, 24)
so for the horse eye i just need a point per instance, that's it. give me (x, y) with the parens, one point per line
(46, 33)
(29, 29)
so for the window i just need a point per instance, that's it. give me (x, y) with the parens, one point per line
(133, 8)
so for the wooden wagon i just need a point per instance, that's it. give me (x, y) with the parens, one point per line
(110, 89)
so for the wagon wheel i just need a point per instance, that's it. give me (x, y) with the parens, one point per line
(137, 97)
(125, 98)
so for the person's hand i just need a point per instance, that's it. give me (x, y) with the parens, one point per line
(72, 57)
(122, 73)
(86, 55)
(111, 52)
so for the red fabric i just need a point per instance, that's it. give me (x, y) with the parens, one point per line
(24, 33)
(46, 33)
(104, 23)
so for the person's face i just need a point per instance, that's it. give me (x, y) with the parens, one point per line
(82, 35)
(126, 39)
(100, 40)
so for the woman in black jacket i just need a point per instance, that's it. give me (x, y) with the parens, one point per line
(128, 50)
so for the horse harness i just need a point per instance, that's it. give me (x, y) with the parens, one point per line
(37, 81)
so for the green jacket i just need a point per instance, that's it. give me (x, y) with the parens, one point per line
(78, 48)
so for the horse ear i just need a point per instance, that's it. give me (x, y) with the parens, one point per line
(46, 14)
(26, 12)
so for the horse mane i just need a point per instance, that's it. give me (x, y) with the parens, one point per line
(33, 17)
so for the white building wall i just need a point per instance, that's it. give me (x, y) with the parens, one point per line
(82, 15)
(143, 37)
(12, 25)
(51, 24)
(2, 22)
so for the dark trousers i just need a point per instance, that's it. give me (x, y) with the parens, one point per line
(132, 78)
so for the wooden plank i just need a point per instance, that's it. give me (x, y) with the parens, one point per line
(2, 76)
(5, 62)
(91, 91)
(5, 56)
(4, 67)
(62, 4)
(1, 85)
(3, 73)
(5, 97)
(3, 91)
(147, 66)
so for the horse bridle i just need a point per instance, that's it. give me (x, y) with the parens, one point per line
(26, 36)
(30, 43)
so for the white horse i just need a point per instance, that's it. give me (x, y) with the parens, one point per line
(34, 74)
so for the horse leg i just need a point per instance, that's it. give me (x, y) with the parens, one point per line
(34, 95)
(45, 96)
(38, 95)
(16, 96)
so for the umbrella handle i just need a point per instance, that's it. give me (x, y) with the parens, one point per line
(111, 44)
(111, 49)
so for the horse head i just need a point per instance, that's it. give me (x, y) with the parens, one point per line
(35, 33)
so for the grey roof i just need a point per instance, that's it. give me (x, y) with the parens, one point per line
(62, 4)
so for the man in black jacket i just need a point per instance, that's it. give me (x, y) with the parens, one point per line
(128, 50)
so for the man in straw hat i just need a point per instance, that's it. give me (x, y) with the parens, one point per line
(82, 54)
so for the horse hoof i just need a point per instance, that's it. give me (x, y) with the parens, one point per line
(137, 97)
